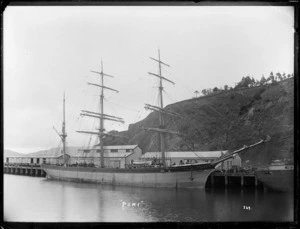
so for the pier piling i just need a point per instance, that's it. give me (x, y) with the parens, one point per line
(233, 179)
(226, 180)
(25, 170)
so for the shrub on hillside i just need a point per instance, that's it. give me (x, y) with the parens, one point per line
(245, 108)
(257, 96)
(262, 90)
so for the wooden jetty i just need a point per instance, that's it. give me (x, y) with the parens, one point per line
(233, 179)
(24, 169)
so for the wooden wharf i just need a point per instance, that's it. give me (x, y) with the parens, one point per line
(24, 169)
(233, 179)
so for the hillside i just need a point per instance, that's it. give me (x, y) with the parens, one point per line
(10, 153)
(41, 153)
(54, 151)
(227, 120)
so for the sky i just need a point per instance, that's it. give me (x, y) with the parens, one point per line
(49, 50)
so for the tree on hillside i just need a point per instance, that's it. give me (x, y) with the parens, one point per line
(257, 83)
(271, 78)
(245, 82)
(278, 76)
(225, 87)
(263, 80)
(283, 76)
(215, 89)
(242, 82)
(196, 93)
(252, 84)
(239, 84)
(248, 81)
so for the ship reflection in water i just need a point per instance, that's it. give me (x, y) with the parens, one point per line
(40, 200)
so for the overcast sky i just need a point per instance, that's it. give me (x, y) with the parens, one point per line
(49, 50)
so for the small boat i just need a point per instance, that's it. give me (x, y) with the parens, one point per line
(278, 176)
(180, 176)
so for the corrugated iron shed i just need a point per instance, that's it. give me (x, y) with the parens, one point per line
(186, 154)
(94, 153)
(120, 147)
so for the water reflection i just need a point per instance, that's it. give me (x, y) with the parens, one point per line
(38, 199)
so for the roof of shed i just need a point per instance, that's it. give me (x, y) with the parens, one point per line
(93, 153)
(40, 155)
(120, 147)
(186, 154)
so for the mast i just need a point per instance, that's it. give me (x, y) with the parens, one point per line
(101, 129)
(161, 116)
(101, 116)
(162, 132)
(64, 135)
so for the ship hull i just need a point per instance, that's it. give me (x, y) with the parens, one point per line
(156, 178)
(277, 180)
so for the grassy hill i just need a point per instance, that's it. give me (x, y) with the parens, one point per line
(227, 120)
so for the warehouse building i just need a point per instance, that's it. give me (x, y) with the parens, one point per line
(114, 156)
(44, 157)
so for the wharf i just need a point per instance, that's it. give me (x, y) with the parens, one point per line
(24, 169)
(233, 179)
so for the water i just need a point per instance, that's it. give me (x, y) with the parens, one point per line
(32, 199)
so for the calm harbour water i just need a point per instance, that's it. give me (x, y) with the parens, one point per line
(32, 199)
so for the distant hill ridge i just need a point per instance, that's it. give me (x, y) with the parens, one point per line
(10, 153)
(51, 151)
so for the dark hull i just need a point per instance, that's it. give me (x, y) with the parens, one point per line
(277, 180)
(177, 177)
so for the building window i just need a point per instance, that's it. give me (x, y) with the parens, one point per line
(86, 151)
(114, 150)
(127, 150)
(98, 151)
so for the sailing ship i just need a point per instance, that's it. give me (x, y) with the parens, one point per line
(179, 176)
